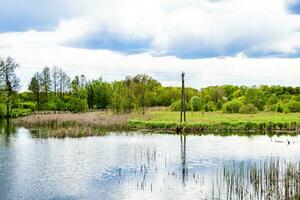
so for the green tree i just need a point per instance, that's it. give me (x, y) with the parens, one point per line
(233, 106)
(10, 82)
(35, 87)
(195, 103)
(294, 106)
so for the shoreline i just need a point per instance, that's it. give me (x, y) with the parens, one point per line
(99, 123)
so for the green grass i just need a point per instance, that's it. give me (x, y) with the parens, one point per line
(216, 117)
(214, 121)
(20, 112)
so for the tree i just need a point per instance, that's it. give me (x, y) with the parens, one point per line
(46, 82)
(195, 103)
(248, 109)
(55, 79)
(294, 106)
(116, 103)
(35, 86)
(10, 82)
(64, 83)
(233, 106)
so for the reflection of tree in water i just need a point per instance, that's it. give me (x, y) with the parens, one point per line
(184, 168)
(6, 128)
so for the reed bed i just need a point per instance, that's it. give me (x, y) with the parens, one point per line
(267, 179)
(73, 125)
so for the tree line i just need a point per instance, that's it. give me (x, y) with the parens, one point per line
(52, 89)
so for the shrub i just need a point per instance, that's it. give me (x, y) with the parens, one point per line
(176, 106)
(279, 108)
(248, 109)
(77, 105)
(293, 106)
(233, 106)
(219, 104)
(28, 105)
(210, 106)
(195, 103)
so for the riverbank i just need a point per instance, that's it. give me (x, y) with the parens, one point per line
(199, 122)
(97, 123)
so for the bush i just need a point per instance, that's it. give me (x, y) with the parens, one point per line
(176, 106)
(293, 106)
(280, 108)
(248, 109)
(195, 103)
(20, 112)
(77, 105)
(210, 106)
(233, 106)
(28, 105)
(56, 104)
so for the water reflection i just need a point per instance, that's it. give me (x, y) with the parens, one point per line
(183, 158)
(6, 129)
(146, 166)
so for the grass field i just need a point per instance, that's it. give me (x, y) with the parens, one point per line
(219, 122)
(216, 117)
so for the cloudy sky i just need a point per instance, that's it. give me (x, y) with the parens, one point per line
(248, 42)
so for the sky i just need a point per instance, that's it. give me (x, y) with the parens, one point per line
(215, 42)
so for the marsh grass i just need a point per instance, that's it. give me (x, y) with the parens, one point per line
(73, 125)
(267, 179)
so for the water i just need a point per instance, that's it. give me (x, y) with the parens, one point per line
(130, 165)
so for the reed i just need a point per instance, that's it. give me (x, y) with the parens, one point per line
(73, 125)
(267, 179)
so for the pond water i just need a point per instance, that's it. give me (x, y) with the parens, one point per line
(134, 165)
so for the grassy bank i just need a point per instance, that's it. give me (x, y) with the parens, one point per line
(212, 122)
(96, 123)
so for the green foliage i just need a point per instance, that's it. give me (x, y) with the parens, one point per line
(279, 107)
(294, 106)
(28, 105)
(176, 106)
(195, 103)
(77, 105)
(54, 90)
(20, 112)
(210, 106)
(2, 110)
(248, 109)
(233, 106)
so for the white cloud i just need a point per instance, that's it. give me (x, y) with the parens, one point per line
(200, 72)
(233, 28)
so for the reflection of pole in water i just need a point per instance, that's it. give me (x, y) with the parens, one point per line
(184, 169)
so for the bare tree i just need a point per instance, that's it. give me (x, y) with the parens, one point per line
(64, 83)
(46, 81)
(55, 79)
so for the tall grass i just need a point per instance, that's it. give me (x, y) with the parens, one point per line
(73, 125)
(267, 179)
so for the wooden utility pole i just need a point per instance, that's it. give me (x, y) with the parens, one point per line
(182, 111)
